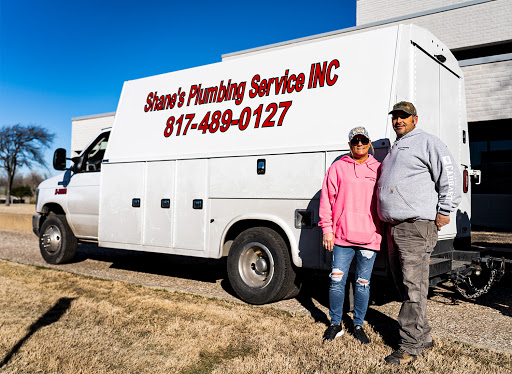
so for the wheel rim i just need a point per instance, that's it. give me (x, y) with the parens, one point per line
(51, 239)
(256, 265)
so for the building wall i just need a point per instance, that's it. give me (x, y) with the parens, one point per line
(378, 10)
(483, 23)
(84, 129)
(474, 24)
(488, 91)
(477, 24)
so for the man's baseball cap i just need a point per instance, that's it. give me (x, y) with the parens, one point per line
(404, 106)
(358, 131)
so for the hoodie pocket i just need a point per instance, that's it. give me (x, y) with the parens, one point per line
(393, 204)
(404, 199)
(357, 228)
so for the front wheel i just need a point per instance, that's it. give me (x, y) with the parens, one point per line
(259, 266)
(57, 242)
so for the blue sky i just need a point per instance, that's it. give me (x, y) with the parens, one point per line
(64, 59)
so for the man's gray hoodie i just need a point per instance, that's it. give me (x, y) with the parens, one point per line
(419, 178)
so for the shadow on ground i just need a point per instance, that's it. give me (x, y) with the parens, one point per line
(194, 268)
(499, 296)
(51, 316)
(315, 288)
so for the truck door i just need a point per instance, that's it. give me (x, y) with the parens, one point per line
(83, 190)
(426, 77)
(439, 98)
(453, 132)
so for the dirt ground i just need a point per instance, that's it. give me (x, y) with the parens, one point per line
(486, 322)
(58, 322)
(498, 239)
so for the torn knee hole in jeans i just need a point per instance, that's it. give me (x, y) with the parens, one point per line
(363, 282)
(367, 253)
(337, 275)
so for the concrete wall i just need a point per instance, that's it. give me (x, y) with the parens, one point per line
(18, 222)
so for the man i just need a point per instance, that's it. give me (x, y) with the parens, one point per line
(419, 186)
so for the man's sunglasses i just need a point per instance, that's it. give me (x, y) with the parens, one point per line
(364, 141)
(404, 115)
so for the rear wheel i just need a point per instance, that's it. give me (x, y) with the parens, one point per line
(259, 267)
(57, 242)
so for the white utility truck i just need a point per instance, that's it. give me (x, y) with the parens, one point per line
(228, 159)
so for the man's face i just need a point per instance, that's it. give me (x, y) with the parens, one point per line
(403, 122)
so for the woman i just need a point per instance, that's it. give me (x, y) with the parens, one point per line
(350, 224)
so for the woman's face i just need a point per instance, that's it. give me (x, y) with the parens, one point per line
(359, 149)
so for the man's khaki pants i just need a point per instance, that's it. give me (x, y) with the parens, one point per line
(409, 247)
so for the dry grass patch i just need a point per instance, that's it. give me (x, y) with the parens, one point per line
(56, 322)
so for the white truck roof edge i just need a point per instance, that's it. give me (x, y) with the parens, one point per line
(430, 44)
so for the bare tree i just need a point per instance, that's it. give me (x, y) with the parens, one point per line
(33, 179)
(22, 146)
(17, 180)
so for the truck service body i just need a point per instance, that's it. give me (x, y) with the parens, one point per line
(228, 159)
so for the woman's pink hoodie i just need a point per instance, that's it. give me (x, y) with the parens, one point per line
(348, 205)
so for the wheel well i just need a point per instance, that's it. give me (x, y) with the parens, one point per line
(51, 208)
(243, 225)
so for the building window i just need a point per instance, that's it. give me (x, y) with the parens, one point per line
(486, 50)
(490, 143)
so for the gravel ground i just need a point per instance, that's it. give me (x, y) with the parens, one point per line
(486, 322)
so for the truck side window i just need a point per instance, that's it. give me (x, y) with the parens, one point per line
(95, 153)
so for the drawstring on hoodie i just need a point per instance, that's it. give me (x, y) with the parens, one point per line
(364, 163)
(355, 163)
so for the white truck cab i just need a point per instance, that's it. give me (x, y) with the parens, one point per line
(228, 159)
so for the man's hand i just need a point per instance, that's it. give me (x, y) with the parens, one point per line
(328, 241)
(441, 220)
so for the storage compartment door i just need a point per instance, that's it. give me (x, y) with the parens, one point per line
(191, 204)
(121, 203)
(159, 208)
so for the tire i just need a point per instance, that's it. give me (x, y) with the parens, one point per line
(259, 267)
(57, 242)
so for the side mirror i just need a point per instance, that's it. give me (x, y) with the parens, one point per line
(77, 164)
(59, 159)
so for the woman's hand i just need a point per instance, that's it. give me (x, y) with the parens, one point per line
(328, 241)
